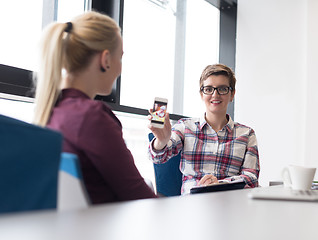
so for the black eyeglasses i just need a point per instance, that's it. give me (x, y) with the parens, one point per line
(209, 90)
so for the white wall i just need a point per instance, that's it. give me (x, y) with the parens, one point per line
(276, 62)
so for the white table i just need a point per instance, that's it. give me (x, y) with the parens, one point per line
(221, 215)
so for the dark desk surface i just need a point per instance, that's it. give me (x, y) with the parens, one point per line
(221, 215)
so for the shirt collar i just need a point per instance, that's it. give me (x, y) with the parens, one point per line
(229, 126)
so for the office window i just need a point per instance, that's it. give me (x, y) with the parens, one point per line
(21, 31)
(67, 9)
(17, 109)
(202, 49)
(166, 46)
(135, 134)
(148, 60)
(21, 25)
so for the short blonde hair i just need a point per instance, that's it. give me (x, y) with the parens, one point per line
(69, 46)
(218, 69)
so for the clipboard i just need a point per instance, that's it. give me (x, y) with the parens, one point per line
(224, 186)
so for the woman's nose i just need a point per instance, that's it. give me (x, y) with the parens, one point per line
(215, 92)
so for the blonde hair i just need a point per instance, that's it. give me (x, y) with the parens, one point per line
(218, 69)
(69, 46)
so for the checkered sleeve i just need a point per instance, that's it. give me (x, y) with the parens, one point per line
(250, 167)
(173, 147)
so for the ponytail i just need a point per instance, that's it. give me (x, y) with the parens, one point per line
(50, 72)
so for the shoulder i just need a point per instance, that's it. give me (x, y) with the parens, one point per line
(97, 106)
(88, 112)
(186, 125)
(99, 111)
(238, 127)
(100, 125)
(77, 101)
(92, 107)
(188, 121)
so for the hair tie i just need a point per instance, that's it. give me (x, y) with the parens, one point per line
(68, 27)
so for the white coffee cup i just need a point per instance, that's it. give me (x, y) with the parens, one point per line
(298, 177)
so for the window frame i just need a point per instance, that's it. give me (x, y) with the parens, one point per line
(18, 83)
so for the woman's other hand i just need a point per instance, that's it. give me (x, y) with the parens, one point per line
(207, 180)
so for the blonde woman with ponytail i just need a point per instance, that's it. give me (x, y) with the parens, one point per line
(88, 51)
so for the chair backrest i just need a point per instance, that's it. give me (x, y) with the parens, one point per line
(71, 190)
(29, 162)
(168, 176)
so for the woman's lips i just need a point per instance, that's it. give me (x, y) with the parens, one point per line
(215, 101)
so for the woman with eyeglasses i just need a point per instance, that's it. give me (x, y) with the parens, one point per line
(213, 148)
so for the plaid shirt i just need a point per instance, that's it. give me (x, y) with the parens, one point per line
(229, 154)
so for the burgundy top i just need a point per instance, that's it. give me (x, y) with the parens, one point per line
(94, 134)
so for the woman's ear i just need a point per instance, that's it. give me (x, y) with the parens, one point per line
(232, 95)
(201, 94)
(104, 60)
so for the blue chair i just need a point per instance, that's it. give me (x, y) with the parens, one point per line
(72, 193)
(29, 162)
(168, 176)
